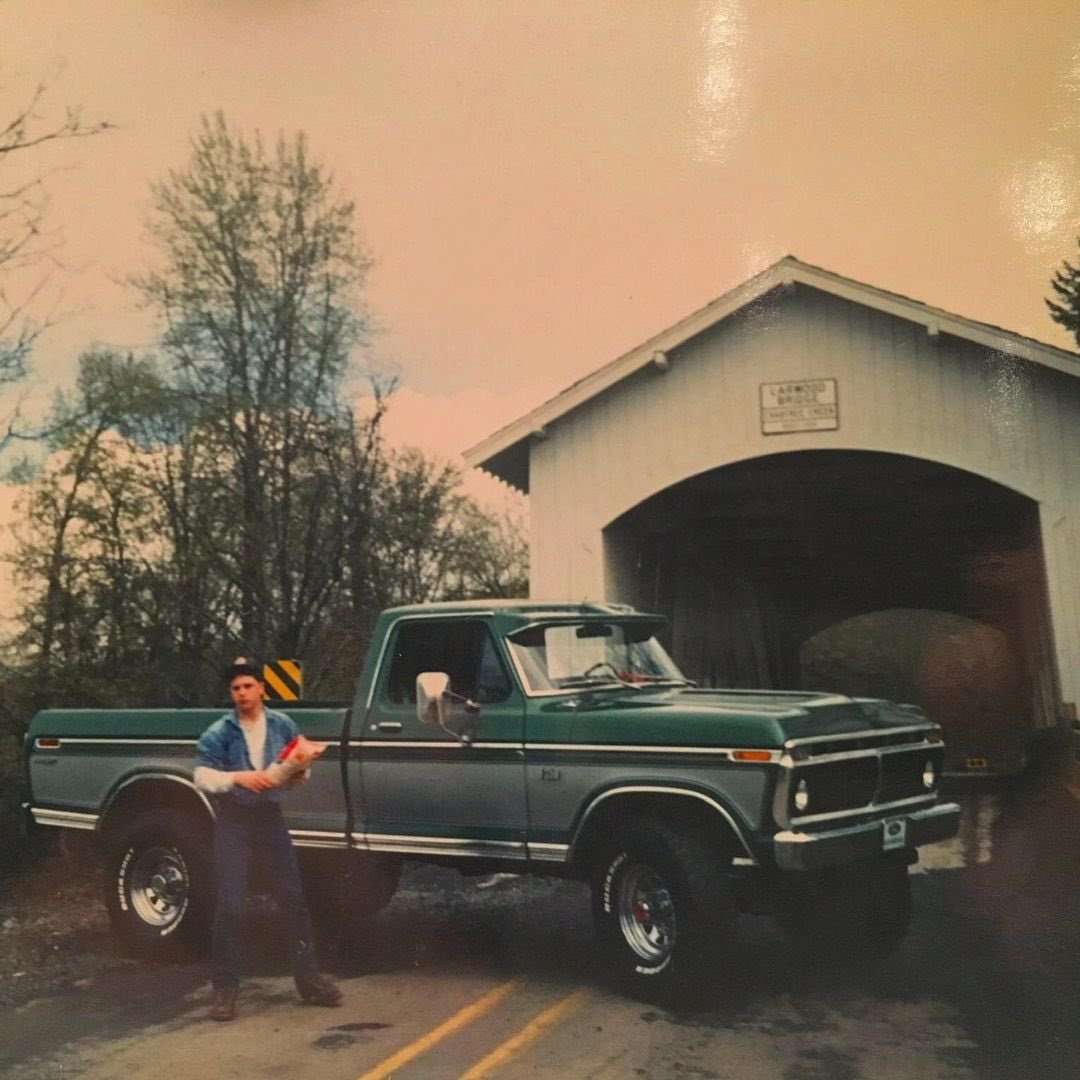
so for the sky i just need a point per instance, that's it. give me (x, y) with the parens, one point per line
(545, 184)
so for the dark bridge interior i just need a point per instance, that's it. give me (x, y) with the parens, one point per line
(760, 566)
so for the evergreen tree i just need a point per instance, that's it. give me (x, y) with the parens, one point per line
(1066, 310)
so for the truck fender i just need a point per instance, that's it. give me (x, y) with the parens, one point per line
(635, 791)
(134, 786)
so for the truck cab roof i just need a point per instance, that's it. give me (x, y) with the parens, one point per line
(531, 608)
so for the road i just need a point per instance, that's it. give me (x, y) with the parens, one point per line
(496, 977)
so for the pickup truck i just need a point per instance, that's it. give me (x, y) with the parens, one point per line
(538, 738)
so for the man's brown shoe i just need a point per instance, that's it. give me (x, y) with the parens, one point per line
(319, 990)
(224, 1006)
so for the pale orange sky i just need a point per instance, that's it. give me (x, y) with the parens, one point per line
(544, 185)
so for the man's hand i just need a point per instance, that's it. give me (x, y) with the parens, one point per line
(296, 780)
(255, 780)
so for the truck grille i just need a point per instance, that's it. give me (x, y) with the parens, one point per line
(840, 785)
(901, 775)
(871, 777)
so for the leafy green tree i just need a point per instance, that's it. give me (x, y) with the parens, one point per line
(124, 554)
(433, 542)
(223, 497)
(85, 529)
(416, 538)
(492, 557)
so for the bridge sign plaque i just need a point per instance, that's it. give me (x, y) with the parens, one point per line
(799, 405)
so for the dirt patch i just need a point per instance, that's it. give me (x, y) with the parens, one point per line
(54, 932)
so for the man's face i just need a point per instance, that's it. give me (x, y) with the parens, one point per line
(246, 692)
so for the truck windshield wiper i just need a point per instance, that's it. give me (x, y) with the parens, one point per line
(582, 682)
(662, 680)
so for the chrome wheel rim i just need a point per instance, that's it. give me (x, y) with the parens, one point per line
(646, 914)
(159, 886)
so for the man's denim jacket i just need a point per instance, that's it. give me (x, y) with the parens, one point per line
(223, 746)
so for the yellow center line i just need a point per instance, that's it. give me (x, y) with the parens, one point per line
(459, 1020)
(527, 1035)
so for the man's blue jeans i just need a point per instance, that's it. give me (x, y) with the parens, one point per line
(242, 833)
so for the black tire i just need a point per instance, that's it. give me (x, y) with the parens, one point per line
(860, 911)
(663, 909)
(159, 884)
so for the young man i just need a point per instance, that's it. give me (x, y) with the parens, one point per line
(231, 765)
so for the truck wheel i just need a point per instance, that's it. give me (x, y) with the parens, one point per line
(159, 884)
(851, 912)
(663, 909)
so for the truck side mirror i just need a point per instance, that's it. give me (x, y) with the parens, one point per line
(433, 698)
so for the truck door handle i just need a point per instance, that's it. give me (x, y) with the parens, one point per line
(389, 725)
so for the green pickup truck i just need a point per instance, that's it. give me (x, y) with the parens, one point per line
(539, 738)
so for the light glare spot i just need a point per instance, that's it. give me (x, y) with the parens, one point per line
(717, 113)
(1038, 201)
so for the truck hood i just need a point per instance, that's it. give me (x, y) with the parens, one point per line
(739, 718)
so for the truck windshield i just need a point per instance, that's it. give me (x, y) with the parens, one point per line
(565, 657)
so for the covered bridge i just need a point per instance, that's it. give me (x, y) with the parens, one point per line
(827, 485)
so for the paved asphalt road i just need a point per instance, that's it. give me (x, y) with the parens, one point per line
(496, 977)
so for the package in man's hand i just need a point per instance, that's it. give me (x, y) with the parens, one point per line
(295, 758)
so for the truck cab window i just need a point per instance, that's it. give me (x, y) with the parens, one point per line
(464, 650)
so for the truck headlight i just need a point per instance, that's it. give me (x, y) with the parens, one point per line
(929, 775)
(802, 796)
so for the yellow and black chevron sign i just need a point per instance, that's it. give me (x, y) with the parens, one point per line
(284, 680)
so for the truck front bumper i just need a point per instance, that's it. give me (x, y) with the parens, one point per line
(835, 847)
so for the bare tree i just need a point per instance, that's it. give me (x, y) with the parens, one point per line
(258, 286)
(24, 241)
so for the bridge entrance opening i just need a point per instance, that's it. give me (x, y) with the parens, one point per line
(864, 573)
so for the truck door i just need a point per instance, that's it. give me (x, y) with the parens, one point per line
(424, 791)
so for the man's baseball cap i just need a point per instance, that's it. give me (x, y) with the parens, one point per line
(243, 666)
